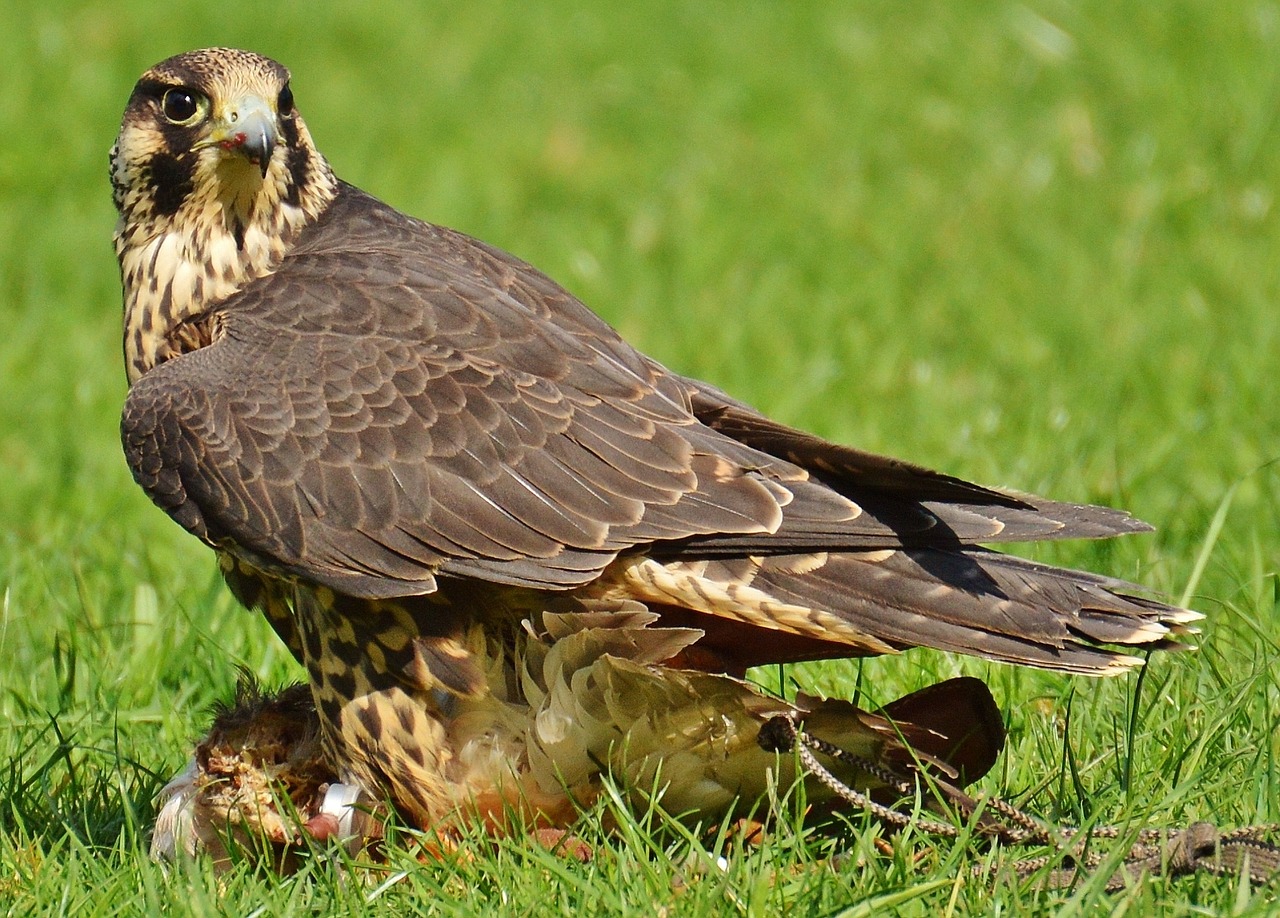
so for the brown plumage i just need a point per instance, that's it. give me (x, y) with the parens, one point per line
(392, 433)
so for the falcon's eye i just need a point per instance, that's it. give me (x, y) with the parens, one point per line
(284, 104)
(182, 106)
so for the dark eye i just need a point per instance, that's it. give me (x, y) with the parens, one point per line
(181, 106)
(284, 104)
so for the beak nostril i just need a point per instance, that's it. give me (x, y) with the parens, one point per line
(249, 127)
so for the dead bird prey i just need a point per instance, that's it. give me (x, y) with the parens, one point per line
(402, 443)
(588, 697)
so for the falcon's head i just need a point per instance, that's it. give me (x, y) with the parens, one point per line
(213, 173)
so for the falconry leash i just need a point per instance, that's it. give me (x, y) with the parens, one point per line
(1200, 847)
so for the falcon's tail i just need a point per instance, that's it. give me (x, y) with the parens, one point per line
(785, 608)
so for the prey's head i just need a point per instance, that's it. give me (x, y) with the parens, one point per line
(214, 128)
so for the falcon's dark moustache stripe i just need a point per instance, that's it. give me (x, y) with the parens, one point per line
(299, 164)
(172, 177)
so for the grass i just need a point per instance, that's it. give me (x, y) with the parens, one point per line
(1033, 245)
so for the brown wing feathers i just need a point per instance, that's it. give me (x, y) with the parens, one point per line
(395, 402)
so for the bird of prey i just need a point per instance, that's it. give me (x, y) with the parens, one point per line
(397, 438)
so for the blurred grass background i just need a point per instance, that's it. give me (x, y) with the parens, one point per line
(1033, 245)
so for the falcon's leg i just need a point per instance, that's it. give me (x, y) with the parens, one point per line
(381, 727)
(271, 597)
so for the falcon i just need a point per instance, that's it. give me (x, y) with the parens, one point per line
(419, 457)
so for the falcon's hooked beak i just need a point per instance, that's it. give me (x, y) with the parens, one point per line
(248, 127)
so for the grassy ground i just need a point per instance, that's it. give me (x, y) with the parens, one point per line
(1033, 245)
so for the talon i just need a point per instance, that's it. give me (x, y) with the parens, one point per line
(561, 842)
(322, 826)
